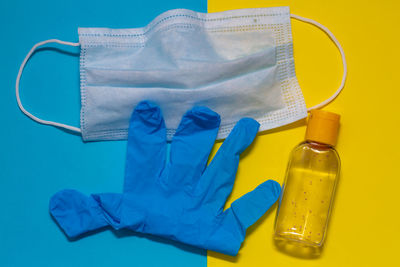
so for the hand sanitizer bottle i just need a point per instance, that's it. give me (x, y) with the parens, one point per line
(310, 182)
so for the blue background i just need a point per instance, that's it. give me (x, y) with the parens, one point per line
(36, 161)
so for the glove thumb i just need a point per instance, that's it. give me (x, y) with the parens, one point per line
(250, 207)
(111, 204)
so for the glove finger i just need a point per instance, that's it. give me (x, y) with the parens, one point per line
(217, 181)
(76, 213)
(240, 138)
(230, 230)
(250, 207)
(146, 149)
(192, 144)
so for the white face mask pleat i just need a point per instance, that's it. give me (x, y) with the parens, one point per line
(238, 63)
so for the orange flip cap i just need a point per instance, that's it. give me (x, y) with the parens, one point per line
(323, 127)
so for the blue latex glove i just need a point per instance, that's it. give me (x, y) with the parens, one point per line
(180, 199)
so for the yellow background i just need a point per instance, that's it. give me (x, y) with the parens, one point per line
(365, 225)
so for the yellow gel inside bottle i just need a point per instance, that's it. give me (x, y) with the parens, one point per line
(308, 191)
(307, 194)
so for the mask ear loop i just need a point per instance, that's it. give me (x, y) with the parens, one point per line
(21, 68)
(336, 42)
(78, 130)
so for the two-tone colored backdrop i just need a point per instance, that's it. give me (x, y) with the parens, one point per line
(36, 161)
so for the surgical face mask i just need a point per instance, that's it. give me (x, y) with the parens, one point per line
(238, 63)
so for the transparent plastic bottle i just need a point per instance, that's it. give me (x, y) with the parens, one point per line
(310, 182)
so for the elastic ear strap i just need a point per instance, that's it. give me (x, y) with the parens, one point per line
(333, 38)
(21, 68)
